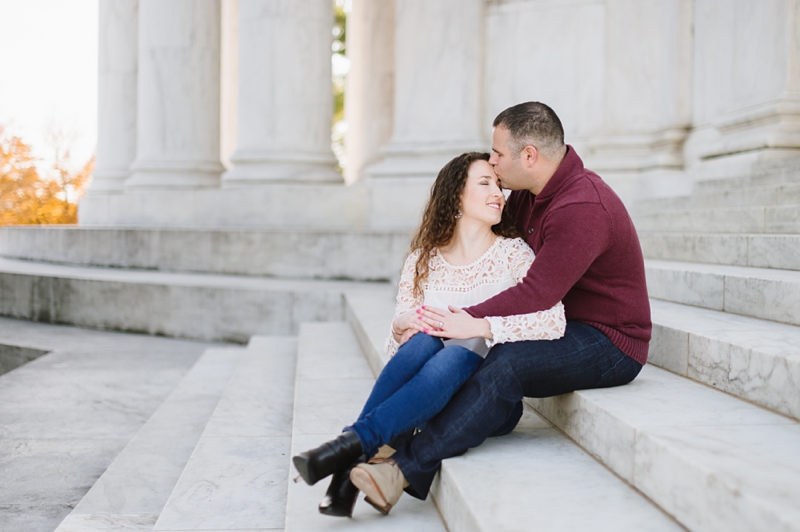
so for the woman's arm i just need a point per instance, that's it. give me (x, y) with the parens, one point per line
(405, 323)
(456, 323)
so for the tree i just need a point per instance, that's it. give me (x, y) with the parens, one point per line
(26, 197)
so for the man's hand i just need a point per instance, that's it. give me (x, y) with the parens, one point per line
(452, 323)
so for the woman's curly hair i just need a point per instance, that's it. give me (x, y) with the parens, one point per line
(439, 218)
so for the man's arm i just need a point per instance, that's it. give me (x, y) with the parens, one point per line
(575, 235)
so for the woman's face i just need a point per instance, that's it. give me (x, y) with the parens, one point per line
(482, 198)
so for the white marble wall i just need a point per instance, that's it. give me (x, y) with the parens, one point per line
(746, 88)
(116, 122)
(178, 118)
(285, 103)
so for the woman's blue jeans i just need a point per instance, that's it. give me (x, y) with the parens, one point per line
(414, 386)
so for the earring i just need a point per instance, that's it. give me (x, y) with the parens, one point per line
(458, 214)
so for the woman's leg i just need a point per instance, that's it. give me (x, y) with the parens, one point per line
(401, 368)
(418, 400)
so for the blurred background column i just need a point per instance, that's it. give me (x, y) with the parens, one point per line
(746, 85)
(369, 96)
(117, 66)
(178, 118)
(438, 87)
(438, 98)
(285, 101)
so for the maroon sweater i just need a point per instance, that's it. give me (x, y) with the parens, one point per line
(587, 255)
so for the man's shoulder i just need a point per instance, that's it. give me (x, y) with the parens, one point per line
(585, 187)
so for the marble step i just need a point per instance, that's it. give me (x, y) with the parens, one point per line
(189, 305)
(134, 489)
(330, 253)
(236, 477)
(713, 461)
(754, 250)
(333, 382)
(760, 219)
(66, 416)
(763, 293)
(533, 479)
(753, 359)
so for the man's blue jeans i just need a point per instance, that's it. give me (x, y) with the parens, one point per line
(488, 403)
(415, 385)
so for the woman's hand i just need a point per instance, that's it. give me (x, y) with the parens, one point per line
(456, 323)
(405, 326)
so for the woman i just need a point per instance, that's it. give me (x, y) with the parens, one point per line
(462, 254)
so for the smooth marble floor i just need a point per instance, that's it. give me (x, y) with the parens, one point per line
(65, 416)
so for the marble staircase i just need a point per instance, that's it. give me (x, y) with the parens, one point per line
(726, 300)
(664, 453)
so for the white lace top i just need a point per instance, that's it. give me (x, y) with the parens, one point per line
(502, 266)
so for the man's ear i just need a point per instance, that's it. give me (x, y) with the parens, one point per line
(530, 155)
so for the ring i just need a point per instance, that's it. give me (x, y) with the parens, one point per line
(441, 324)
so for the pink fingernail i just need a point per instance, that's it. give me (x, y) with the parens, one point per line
(426, 331)
(417, 311)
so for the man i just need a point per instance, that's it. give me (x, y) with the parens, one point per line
(587, 255)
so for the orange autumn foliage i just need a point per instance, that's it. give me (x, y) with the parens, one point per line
(26, 197)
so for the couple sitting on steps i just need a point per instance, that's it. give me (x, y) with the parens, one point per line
(480, 323)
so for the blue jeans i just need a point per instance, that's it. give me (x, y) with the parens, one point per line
(413, 387)
(489, 403)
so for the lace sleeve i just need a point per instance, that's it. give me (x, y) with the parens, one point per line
(405, 298)
(520, 259)
(544, 325)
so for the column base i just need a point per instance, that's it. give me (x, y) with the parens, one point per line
(174, 175)
(771, 125)
(108, 182)
(419, 160)
(255, 169)
(636, 152)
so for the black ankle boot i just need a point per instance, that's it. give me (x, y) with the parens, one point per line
(340, 499)
(330, 457)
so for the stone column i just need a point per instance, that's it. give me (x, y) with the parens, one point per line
(646, 113)
(746, 84)
(178, 118)
(116, 125)
(438, 86)
(369, 98)
(648, 103)
(285, 103)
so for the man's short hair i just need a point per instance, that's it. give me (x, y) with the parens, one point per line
(532, 124)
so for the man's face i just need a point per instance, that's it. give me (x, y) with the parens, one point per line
(507, 165)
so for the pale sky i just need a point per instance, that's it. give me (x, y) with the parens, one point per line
(48, 75)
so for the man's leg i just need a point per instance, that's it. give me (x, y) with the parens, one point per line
(583, 358)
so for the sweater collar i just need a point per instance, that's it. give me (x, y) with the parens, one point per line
(570, 165)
